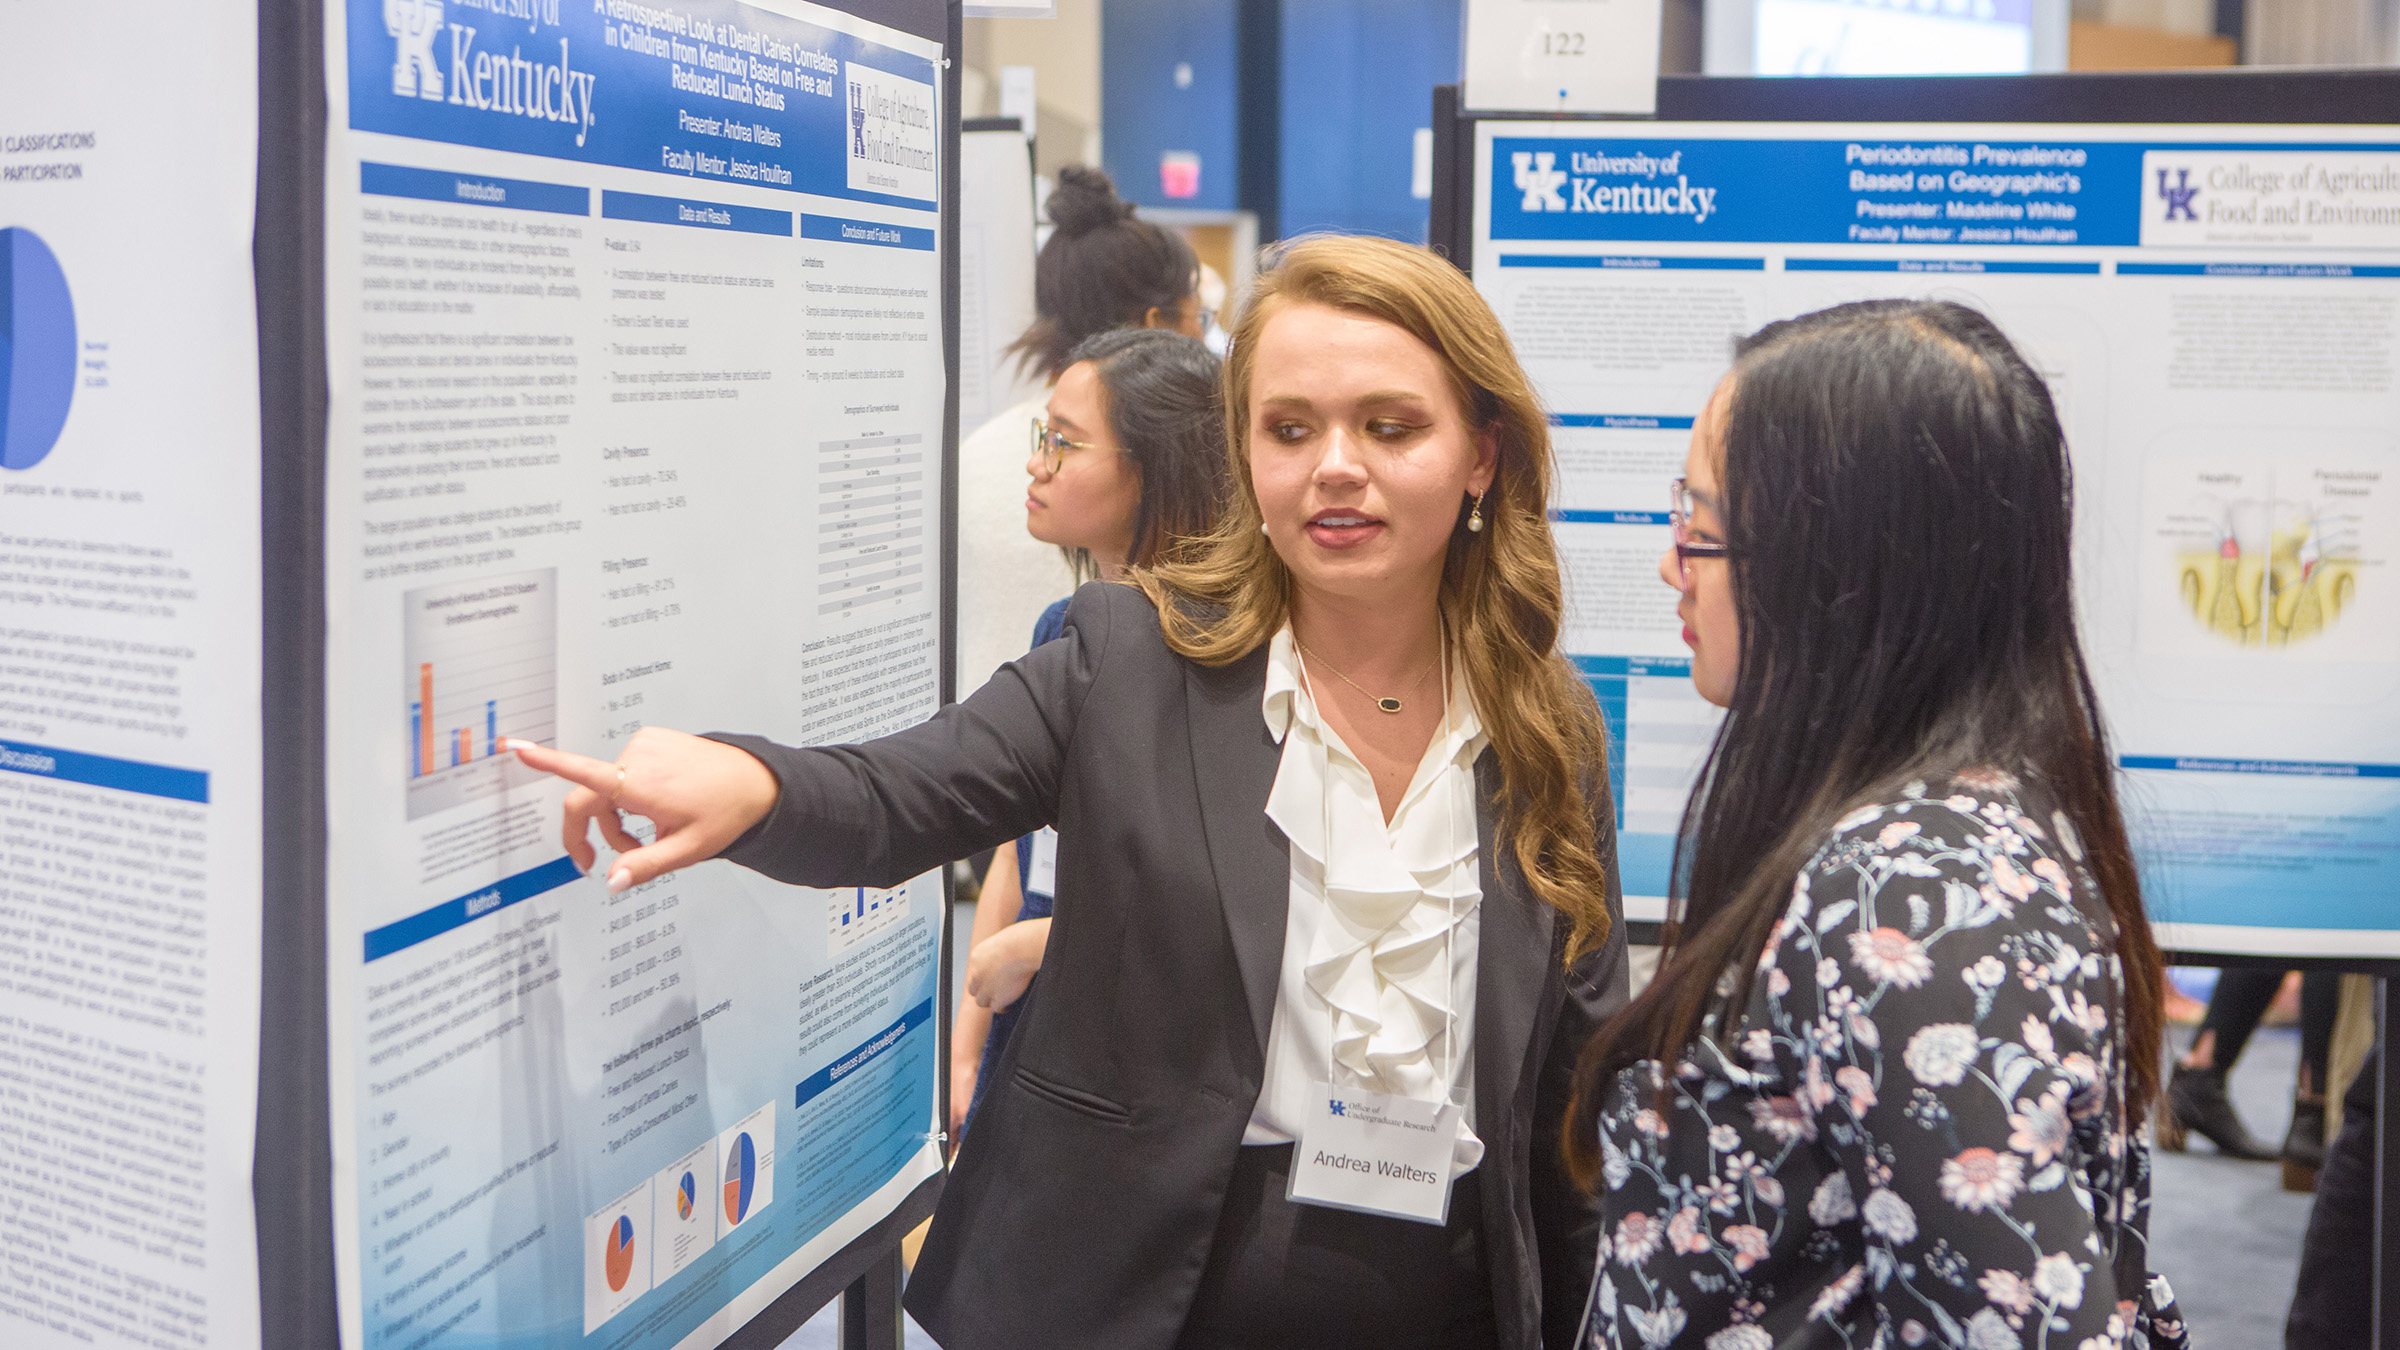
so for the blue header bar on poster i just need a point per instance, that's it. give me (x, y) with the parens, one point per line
(472, 189)
(1969, 266)
(874, 232)
(697, 214)
(1617, 262)
(1868, 191)
(107, 771)
(706, 89)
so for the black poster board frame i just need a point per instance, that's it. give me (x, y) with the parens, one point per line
(2241, 96)
(292, 1164)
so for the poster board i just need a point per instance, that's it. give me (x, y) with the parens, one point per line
(130, 779)
(636, 342)
(995, 267)
(2216, 306)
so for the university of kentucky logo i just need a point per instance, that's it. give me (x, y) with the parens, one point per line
(414, 24)
(2178, 195)
(1539, 179)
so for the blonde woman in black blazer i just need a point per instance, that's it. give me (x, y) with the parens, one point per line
(1125, 1186)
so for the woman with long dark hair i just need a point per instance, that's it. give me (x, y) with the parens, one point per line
(1888, 1086)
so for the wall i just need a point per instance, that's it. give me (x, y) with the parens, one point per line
(1065, 54)
(1358, 79)
(1150, 108)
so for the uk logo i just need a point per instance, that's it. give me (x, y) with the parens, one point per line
(1339, 1108)
(858, 121)
(1539, 179)
(414, 24)
(2178, 197)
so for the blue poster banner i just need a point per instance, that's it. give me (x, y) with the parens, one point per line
(1869, 191)
(705, 89)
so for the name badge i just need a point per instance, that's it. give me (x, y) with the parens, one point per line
(1041, 874)
(1375, 1154)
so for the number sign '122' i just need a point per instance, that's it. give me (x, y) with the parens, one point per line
(1562, 55)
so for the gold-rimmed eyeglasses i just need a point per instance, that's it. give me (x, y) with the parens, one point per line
(1051, 447)
(1679, 517)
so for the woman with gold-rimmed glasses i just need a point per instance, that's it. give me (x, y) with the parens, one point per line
(1128, 459)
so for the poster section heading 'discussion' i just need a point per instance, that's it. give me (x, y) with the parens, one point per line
(635, 350)
(2216, 310)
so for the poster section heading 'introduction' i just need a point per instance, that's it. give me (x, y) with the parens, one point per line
(635, 353)
(2216, 310)
(130, 783)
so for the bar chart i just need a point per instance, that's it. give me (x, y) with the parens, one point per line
(853, 913)
(480, 663)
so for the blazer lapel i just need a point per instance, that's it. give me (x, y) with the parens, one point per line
(1513, 956)
(1234, 762)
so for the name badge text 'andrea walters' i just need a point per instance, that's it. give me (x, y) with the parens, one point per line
(1376, 1154)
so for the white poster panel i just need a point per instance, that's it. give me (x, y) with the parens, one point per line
(2217, 312)
(995, 275)
(129, 676)
(635, 353)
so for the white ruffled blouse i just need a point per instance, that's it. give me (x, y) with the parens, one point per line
(1379, 944)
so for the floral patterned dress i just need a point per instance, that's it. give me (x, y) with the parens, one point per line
(1917, 1135)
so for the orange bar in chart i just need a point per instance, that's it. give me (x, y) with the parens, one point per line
(425, 723)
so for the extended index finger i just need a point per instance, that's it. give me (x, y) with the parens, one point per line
(600, 775)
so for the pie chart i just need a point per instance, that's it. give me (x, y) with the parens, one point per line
(741, 1173)
(37, 348)
(620, 1253)
(687, 1192)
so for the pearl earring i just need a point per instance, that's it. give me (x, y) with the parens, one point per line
(1475, 517)
(1262, 527)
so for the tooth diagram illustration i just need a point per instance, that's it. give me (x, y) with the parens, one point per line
(2277, 570)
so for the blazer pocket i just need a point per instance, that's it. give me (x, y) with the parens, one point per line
(1073, 1099)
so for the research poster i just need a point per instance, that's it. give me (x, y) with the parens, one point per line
(2217, 312)
(129, 676)
(635, 351)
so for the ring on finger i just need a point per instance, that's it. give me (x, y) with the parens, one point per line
(619, 791)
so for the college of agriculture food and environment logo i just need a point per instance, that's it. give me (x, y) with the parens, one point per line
(2178, 194)
(1539, 178)
(414, 24)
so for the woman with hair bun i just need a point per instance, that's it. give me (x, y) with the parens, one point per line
(1337, 894)
(1104, 267)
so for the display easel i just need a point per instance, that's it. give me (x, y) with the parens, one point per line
(293, 1167)
(2333, 97)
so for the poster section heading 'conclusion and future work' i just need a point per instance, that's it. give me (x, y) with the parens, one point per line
(634, 342)
(2216, 310)
(130, 850)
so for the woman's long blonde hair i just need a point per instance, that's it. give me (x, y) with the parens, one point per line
(1224, 593)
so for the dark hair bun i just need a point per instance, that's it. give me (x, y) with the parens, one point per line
(1085, 200)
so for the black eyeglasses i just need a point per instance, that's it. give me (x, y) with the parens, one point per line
(1679, 516)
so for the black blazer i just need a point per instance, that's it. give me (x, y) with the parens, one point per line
(1082, 1211)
